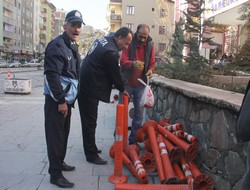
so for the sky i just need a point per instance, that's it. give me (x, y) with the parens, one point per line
(93, 11)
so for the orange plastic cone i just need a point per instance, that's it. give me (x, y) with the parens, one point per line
(130, 186)
(169, 173)
(125, 125)
(8, 76)
(149, 126)
(132, 152)
(117, 176)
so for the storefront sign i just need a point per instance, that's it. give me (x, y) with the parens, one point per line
(218, 5)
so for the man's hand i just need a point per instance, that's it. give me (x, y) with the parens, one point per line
(125, 93)
(139, 65)
(149, 73)
(63, 108)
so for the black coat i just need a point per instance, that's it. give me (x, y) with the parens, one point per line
(61, 59)
(100, 70)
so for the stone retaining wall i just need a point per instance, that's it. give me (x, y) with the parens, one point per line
(230, 79)
(210, 115)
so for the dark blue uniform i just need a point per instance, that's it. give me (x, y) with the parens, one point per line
(99, 72)
(61, 61)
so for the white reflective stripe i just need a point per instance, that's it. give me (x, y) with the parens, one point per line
(184, 166)
(162, 145)
(174, 127)
(188, 173)
(169, 127)
(189, 137)
(141, 170)
(118, 138)
(136, 162)
(164, 151)
(138, 166)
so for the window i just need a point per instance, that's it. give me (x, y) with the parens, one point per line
(163, 13)
(130, 10)
(162, 30)
(161, 47)
(153, 9)
(130, 25)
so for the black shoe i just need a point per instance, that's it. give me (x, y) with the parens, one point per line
(66, 167)
(98, 161)
(99, 151)
(61, 182)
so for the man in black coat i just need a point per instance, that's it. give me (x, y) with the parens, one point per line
(99, 72)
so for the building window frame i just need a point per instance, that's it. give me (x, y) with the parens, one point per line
(162, 47)
(130, 10)
(130, 25)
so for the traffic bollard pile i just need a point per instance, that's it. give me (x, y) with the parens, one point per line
(168, 150)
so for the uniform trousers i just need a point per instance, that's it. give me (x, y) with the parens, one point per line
(246, 179)
(56, 132)
(88, 107)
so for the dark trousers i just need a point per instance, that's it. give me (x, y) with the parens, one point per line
(246, 179)
(56, 132)
(88, 107)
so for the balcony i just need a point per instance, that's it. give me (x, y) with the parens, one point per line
(115, 18)
(7, 34)
(8, 20)
(115, 1)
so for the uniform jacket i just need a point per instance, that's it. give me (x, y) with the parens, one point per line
(100, 69)
(61, 69)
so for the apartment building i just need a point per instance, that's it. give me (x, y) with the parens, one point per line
(158, 14)
(48, 22)
(27, 15)
(59, 20)
(10, 35)
(26, 26)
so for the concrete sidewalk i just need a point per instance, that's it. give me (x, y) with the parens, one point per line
(23, 156)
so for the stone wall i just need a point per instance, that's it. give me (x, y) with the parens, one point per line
(210, 115)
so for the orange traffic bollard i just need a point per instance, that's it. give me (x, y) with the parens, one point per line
(153, 187)
(148, 162)
(117, 176)
(140, 135)
(190, 138)
(179, 133)
(191, 150)
(186, 169)
(179, 172)
(125, 126)
(132, 152)
(164, 122)
(147, 145)
(8, 76)
(150, 126)
(170, 175)
(175, 152)
(126, 161)
(201, 182)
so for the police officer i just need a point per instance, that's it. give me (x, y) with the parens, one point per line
(99, 72)
(61, 69)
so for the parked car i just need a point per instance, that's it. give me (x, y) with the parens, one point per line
(25, 64)
(3, 63)
(34, 63)
(13, 63)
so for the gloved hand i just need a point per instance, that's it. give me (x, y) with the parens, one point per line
(139, 65)
(149, 73)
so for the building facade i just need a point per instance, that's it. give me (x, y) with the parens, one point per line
(26, 26)
(158, 14)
